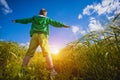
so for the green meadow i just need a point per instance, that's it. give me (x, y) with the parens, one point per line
(94, 56)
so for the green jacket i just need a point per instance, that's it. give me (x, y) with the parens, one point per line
(40, 24)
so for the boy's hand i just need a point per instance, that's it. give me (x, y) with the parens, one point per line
(14, 21)
(66, 26)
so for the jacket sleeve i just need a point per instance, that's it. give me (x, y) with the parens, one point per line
(24, 21)
(55, 23)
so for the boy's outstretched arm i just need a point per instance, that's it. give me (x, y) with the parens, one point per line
(57, 24)
(23, 21)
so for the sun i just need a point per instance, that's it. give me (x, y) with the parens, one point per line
(55, 50)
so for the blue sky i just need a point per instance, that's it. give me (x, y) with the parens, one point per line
(82, 15)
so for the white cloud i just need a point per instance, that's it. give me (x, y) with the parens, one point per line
(79, 16)
(75, 29)
(78, 30)
(87, 10)
(95, 25)
(109, 17)
(100, 9)
(5, 8)
(25, 44)
(105, 7)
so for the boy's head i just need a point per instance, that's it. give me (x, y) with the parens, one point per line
(43, 12)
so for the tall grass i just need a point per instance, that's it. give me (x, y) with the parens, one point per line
(92, 57)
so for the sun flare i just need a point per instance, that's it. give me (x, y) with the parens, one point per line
(55, 50)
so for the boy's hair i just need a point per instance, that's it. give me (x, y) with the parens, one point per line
(42, 11)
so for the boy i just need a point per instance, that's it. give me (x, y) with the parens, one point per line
(39, 36)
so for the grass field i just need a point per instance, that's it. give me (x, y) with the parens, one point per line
(89, 58)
